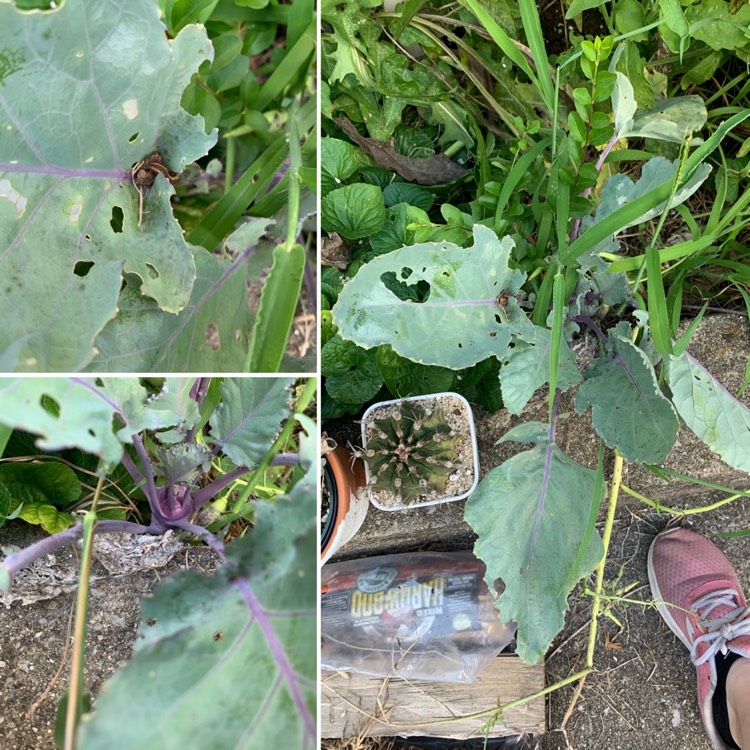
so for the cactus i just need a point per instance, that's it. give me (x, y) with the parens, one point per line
(410, 453)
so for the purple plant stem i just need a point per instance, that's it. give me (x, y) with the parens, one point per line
(587, 192)
(589, 321)
(277, 650)
(150, 487)
(198, 394)
(310, 282)
(210, 491)
(210, 539)
(285, 459)
(131, 468)
(14, 563)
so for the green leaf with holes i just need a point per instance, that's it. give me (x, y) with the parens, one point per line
(87, 91)
(405, 297)
(207, 335)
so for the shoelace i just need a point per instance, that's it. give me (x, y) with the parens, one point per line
(718, 630)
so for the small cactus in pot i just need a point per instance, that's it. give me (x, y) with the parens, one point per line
(410, 453)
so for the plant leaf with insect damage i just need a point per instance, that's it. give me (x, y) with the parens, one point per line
(90, 90)
(206, 336)
(65, 414)
(405, 297)
(250, 625)
(530, 514)
(79, 413)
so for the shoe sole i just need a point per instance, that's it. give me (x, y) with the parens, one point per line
(662, 608)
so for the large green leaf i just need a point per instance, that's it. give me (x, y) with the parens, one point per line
(248, 420)
(84, 420)
(629, 410)
(354, 211)
(459, 324)
(203, 337)
(528, 368)
(531, 514)
(89, 91)
(352, 374)
(79, 413)
(406, 378)
(710, 410)
(228, 660)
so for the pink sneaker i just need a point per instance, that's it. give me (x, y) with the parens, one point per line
(710, 614)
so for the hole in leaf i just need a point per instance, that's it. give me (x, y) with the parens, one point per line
(83, 267)
(87, 237)
(91, 432)
(49, 405)
(117, 218)
(133, 137)
(419, 292)
(152, 271)
(213, 340)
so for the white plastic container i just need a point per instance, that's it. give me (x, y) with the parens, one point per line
(471, 448)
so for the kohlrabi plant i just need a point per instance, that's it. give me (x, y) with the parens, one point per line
(411, 452)
(251, 624)
(472, 296)
(125, 224)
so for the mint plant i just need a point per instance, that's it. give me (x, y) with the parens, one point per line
(261, 598)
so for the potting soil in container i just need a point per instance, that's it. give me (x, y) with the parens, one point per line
(425, 615)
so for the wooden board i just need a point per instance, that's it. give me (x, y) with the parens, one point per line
(355, 705)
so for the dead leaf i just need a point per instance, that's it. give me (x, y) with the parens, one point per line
(611, 643)
(434, 170)
(335, 251)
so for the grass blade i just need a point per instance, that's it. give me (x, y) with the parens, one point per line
(623, 216)
(533, 28)
(222, 216)
(278, 302)
(516, 174)
(502, 40)
(296, 59)
(657, 303)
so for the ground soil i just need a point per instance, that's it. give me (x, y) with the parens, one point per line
(35, 637)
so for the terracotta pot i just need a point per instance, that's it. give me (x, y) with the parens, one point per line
(344, 475)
